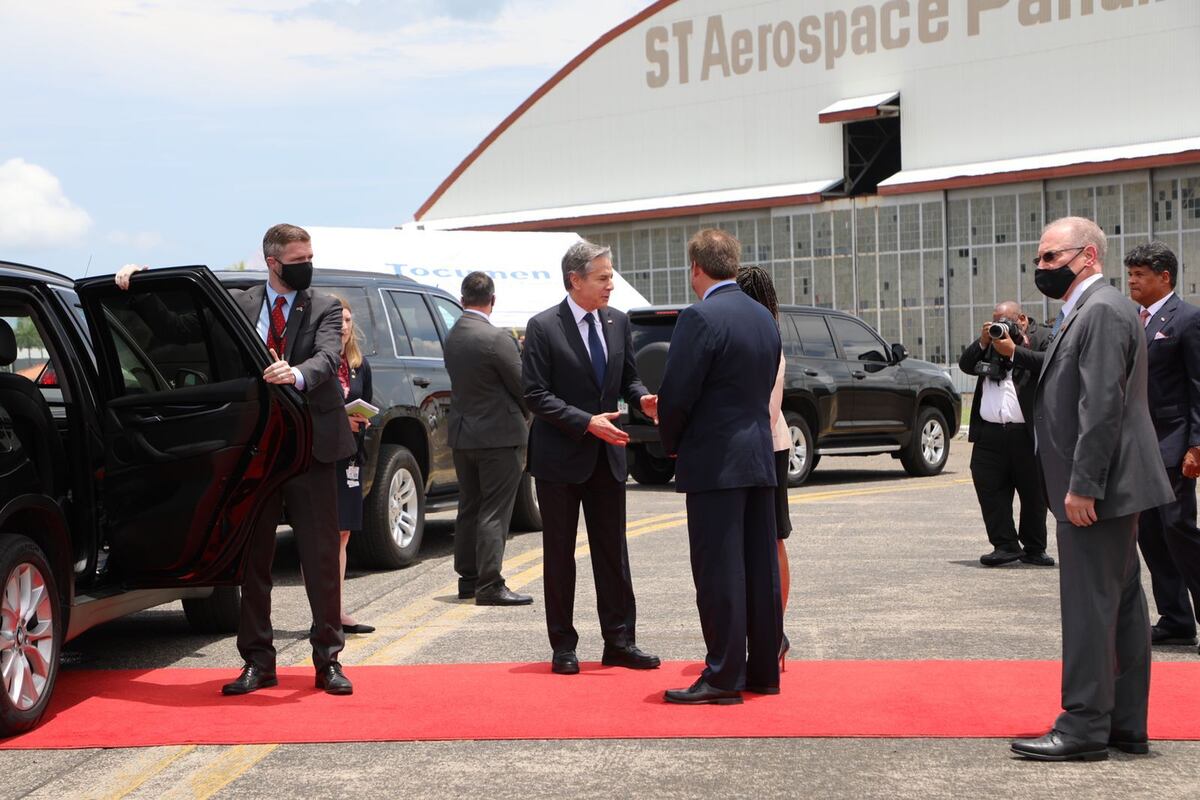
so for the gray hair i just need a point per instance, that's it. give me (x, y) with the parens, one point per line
(1086, 233)
(579, 258)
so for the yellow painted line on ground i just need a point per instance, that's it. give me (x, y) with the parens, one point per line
(133, 782)
(839, 493)
(229, 765)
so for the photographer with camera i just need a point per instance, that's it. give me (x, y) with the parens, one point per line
(1003, 459)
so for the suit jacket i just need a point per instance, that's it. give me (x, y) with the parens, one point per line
(1094, 434)
(1173, 350)
(314, 346)
(1024, 378)
(486, 405)
(714, 405)
(561, 391)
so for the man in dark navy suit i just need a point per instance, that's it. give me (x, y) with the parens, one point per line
(714, 416)
(1167, 535)
(577, 361)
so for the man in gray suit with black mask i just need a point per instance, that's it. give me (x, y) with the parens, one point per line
(488, 434)
(1101, 467)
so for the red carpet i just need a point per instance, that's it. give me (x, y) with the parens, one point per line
(949, 699)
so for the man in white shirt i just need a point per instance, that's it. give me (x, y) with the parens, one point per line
(1003, 459)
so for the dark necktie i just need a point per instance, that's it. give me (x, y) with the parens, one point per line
(276, 331)
(595, 349)
(1058, 321)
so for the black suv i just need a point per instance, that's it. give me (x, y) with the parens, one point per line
(846, 393)
(409, 466)
(132, 471)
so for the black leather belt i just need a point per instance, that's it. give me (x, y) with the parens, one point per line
(1014, 426)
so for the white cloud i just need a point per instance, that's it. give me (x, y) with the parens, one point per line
(141, 240)
(34, 212)
(254, 49)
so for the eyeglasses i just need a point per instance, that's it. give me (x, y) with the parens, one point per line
(1052, 255)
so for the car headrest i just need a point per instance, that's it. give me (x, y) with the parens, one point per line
(8, 344)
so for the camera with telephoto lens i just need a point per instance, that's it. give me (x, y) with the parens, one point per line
(1005, 329)
(993, 365)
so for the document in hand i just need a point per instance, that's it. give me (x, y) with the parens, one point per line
(361, 407)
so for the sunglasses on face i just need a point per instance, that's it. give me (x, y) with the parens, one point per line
(1050, 256)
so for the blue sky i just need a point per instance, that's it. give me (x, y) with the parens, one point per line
(177, 131)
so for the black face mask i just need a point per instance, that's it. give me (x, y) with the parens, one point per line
(298, 276)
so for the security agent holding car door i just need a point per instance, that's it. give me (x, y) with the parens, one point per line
(1003, 459)
(303, 331)
(1167, 535)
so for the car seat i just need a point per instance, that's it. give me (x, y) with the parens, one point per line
(32, 420)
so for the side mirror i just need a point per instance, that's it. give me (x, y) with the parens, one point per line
(899, 352)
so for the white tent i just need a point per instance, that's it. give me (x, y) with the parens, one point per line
(527, 267)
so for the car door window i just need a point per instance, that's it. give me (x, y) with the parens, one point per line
(859, 343)
(165, 341)
(360, 309)
(423, 340)
(791, 340)
(814, 336)
(448, 310)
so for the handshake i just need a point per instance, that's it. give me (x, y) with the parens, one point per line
(602, 425)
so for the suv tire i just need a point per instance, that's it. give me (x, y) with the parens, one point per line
(527, 515)
(220, 612)
(393, 513)
(803, 459)
(648, 470)
(33, 628)
(929, 447)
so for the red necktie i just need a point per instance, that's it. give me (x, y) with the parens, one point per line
(276, 338)
(1145, 315)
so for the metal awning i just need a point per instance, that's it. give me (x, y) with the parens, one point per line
(869, 106)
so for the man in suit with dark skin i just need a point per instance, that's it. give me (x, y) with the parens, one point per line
(1002, 459)
(488, 433)
(715, 417)
(578, 359)
(1167, 535)
(1102, 468)
(303, 332)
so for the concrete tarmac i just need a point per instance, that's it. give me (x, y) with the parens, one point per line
(884, 566)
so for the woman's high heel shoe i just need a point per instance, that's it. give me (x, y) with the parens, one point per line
(784, 646)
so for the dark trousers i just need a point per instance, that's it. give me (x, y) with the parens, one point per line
(1170, 544)
(736, 570)
(312, 510)
(1003, 460)
(603, 501)
(488, 479)
(1105, 630)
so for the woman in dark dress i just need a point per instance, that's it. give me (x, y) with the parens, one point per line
(354, 375)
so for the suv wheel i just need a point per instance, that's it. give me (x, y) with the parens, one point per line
(803, 459)
(393, 513)
(648, 470)
(527, 515)
(31, 629)
(220, 612)
(930, 446)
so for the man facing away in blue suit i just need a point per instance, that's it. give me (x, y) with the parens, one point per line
(714, 416)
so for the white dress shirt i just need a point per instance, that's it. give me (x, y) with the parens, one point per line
(718, 285)
(582, 326)
(1073, 298)
(1155, 308)
(999, 403)
(264, 322)
(478, 313)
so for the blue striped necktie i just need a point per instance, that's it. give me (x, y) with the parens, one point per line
(1058, 321)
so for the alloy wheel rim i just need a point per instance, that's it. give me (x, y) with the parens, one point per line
(933, 442)
(402, 507)
(26, 636)
(799, 456)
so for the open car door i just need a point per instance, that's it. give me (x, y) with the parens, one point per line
(195, 440)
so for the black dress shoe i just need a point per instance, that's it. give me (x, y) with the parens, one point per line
(630, 657)
(565, 663)
(998, 557)
(1037, 559)
(252, 679)
(466, 589)
(332, 680)
(1127, 742)
(1055, 746)
(700, 693)
(1161, 635)
(358, 627)
(502, 596)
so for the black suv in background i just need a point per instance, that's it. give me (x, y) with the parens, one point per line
(846, 392)
(409, 468)
(133, 467)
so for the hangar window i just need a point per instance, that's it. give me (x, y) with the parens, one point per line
(870, 141)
